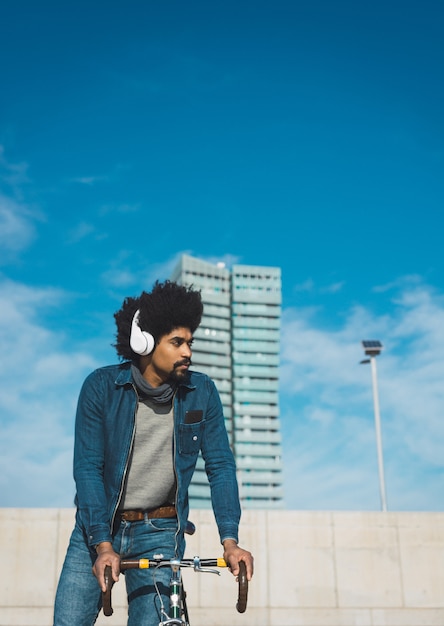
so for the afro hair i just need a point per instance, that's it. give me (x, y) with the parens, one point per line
(166, 307)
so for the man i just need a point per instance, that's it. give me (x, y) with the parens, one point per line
(139, 428)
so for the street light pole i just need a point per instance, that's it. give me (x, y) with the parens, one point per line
(372, 349)
(378, 434)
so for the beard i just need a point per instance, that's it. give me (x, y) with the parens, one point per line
(177, 375)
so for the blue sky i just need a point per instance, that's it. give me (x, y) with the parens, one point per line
(308, 136)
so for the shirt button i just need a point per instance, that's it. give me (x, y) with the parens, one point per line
(195, 438)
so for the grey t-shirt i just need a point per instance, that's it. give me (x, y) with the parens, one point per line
(151, 480)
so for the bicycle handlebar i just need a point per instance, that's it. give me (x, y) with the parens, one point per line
(241, 603)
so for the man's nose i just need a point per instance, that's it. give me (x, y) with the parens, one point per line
(186, 350)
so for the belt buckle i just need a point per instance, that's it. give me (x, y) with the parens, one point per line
(132, 516)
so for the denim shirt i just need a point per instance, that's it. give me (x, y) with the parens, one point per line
(104, 435)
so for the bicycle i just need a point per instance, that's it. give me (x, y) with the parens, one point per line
(178, 613)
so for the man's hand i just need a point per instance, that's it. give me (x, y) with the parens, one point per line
(106, 556)
(233, 554)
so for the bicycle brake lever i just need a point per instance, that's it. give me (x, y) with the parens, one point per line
(198, 567)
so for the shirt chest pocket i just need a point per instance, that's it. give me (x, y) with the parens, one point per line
(190, 437)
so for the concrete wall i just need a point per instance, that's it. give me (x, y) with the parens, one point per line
(312, 569)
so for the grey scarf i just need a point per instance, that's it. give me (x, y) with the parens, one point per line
(159, 395)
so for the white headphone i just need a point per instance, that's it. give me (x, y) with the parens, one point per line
(141, 342)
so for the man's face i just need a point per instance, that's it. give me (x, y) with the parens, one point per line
(172, 355)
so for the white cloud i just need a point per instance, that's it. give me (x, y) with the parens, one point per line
(16, 227)
(333, 288)
(141, 276)
(307, 285)
(17, 219)
(310, 286)
(40, 383)
(13, 174)
(88, 180)
(228, 260)
(120, 208)
(327, 409)
(119, 278)
(80, 232)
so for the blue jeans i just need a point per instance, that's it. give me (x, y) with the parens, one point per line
(78, 598)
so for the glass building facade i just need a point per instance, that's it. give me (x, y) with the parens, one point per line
(237, 345)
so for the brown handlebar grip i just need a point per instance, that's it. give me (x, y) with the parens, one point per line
(241, 604)
(106, 595)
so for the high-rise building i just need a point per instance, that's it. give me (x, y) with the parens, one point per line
(237, 345)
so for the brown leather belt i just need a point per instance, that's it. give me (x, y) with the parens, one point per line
(137, 516)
